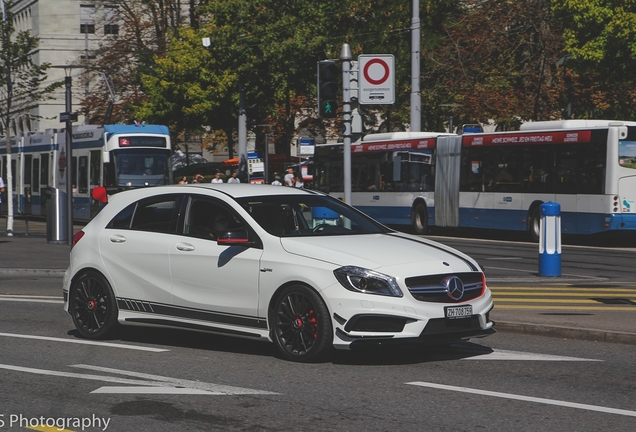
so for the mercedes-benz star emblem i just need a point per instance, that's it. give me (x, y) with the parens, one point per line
(454, 287)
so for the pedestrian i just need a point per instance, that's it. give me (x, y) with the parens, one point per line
(299, 182)
(198, 178)
(276, 181)
(289, 176)
(217, 178)
(184, 180)
(234, 178)
(1, 192)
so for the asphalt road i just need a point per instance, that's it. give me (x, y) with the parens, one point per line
(166, 380)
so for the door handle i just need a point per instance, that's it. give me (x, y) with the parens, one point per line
(185, 247)
(117, 238)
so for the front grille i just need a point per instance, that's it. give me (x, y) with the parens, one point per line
(433, 289)
(374, 323)
(438, 326)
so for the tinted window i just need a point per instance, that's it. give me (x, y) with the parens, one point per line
(207, 218)
(308, 215)
(157, 214)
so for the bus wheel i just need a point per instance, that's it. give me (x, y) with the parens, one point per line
(533, 224)
(419, 218)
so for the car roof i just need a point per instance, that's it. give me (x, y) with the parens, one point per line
(247, 189)
(232, 190)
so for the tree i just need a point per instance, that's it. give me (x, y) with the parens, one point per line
(600, 39)
(144, 30)
(21, 85)
(498, 62)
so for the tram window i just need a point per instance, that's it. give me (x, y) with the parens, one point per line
(27, 170)
(44, 167)
(95, 168)
(36, 175)
(74, 171)
(83, 175)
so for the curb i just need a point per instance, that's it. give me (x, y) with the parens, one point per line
(568, 332)
(32, 272)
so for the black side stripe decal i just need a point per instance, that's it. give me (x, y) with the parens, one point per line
(190, 313)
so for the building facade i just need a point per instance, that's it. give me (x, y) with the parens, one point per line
(67, 30)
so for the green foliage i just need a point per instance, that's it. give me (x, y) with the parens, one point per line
(600, 37)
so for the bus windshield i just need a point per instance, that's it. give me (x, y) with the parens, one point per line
(141, 167)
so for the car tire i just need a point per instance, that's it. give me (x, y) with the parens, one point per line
(534, 221)
(300, 325)
(93, 306)
(419, 219)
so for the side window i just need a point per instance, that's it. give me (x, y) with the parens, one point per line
(205, 219)
(157, 214)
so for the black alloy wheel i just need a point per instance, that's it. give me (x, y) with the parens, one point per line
(300, 325)
(93, 306)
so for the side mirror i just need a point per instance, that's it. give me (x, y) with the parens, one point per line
(234, 238)
(99, 194)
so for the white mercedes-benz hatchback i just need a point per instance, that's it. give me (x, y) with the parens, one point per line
(291, 266)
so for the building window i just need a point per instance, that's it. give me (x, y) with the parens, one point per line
(111, 20)
(87, 19)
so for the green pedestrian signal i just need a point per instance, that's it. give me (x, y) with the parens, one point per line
(328, 74)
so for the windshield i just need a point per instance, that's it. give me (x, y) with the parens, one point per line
(308, 215)
(141, 167)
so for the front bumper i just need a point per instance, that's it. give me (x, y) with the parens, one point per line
(411, 323)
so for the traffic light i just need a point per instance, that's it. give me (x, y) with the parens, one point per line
(327, 88)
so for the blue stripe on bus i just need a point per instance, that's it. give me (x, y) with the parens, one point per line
(393, 215)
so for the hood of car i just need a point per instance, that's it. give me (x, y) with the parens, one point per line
(391, 253)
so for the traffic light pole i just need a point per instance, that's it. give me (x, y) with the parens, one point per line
(345, 56)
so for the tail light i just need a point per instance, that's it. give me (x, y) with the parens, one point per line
(77, 237)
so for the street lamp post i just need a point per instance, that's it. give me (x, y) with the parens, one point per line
(266, 152)
(68, 117)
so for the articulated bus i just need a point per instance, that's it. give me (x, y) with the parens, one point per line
(115, 156)
(393, 175)
(499, 180)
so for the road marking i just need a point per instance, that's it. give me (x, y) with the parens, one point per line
(556, 294)
(43, 428)
(479, 354)
(153, 390)
(85, 342)
(566, 288)
(526, 398)
(504, 258)
(159, 383)
(551, 300)
(171, 382)
(551, 307)
(31, 299)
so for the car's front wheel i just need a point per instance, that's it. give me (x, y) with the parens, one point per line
(300, 325)
(93, 306)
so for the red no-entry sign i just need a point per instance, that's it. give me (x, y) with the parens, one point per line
(376, 79)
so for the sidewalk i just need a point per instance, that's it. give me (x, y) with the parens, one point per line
(28, 252)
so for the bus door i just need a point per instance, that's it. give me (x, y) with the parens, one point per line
(447, 181)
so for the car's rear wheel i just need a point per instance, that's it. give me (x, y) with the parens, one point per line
(93, 306)
(300, 325)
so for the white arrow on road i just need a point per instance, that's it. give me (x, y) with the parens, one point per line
(148, 384)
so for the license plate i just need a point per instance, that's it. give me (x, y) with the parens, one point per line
(456, 312)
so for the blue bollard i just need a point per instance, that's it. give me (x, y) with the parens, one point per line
(550, 240)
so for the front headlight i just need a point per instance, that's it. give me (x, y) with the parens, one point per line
(367, 281)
